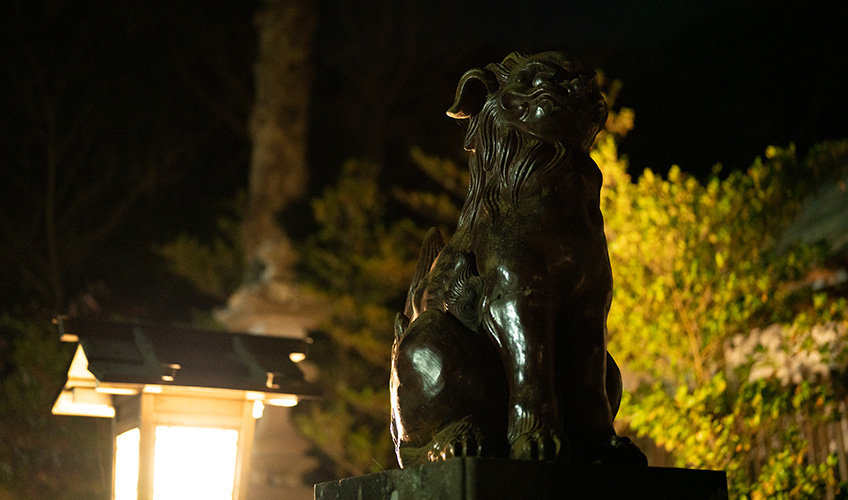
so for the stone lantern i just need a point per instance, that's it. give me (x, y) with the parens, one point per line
(183, 402)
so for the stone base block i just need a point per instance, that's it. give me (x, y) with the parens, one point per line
(502, 479)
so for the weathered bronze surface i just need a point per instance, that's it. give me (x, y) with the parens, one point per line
(501, 350)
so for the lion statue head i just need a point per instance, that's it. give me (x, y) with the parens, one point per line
(527, 116)
(549, 96)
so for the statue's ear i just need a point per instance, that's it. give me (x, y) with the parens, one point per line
(471, 93)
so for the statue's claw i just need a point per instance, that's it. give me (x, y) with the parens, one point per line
(537, 446)
(466, 446)
(460, 439)
(622, 451)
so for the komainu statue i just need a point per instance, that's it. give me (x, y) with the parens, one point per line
(501, 350)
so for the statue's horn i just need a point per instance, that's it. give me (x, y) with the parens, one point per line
(471, 93)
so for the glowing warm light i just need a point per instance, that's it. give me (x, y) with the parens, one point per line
(253, 395)
(126, 465)
(121, 391)
(258, 409)
(84, 401)
(297, 357)
(153, 389)
(283, 400)
(192, 462)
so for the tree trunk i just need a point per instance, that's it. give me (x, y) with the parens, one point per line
(269, 301)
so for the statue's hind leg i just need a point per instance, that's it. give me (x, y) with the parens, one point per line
(448, 392)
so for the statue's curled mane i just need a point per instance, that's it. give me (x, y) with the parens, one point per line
(502, 161)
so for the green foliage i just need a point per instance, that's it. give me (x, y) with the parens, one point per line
(214, 267)
(441, 207)
(693, 262)
(696, 270)
(41, 455)
(716, 427)
(361, 264)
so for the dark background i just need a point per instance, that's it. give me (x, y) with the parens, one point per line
(123, 125)
(142, 106)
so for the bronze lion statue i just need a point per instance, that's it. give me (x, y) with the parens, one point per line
(501, 350)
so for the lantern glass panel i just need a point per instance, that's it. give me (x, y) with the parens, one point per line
(126, 465)
(194, 462)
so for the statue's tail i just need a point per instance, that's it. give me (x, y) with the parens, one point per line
(434, 242)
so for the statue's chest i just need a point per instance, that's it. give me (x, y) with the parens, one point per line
(551, 211)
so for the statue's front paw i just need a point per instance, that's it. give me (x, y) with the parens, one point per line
(538, 445)
(532, 437)
(621, 451)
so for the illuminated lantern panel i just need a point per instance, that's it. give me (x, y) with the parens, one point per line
(184, 402)
(126, 464)
(192, 462)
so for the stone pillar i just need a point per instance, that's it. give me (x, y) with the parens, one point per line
(269, 301)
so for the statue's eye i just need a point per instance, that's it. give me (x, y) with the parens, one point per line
(524, 77)
(548, 75)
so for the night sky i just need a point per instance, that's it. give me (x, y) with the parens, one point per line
(150, 100)
(710, 81)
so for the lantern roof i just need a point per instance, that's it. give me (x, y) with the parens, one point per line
(119, 358)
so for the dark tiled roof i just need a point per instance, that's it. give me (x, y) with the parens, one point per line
(144, 354)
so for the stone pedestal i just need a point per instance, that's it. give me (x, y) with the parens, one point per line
(501, 479)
